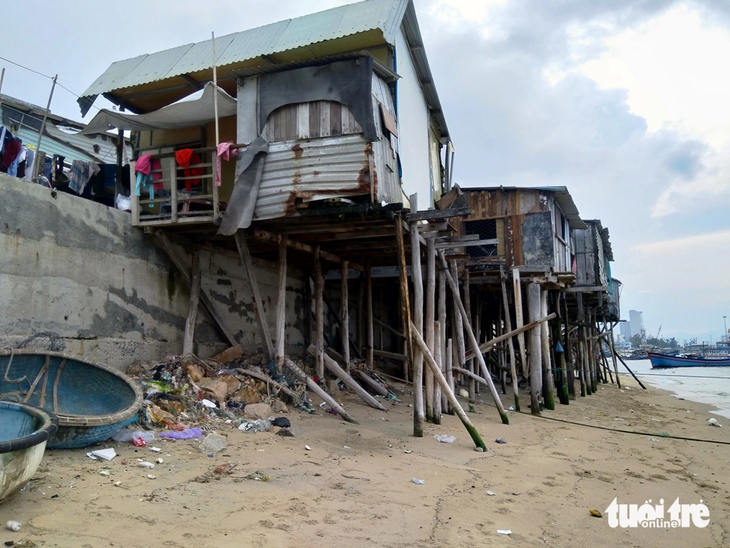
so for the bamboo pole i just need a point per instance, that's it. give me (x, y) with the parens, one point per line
(404, 296)
(561, 379)
(417, 321)
(441, 340)
(418, 340)
(314, 387)
(345, 314)
(449, 361)
(281, 305)
(519, 319)
(510, 344)
(193, 305)
(431, 340)
(548, 381)
(372, 383)
(472, 339)
(335, 368)
(568, 352)
(438, 357)
(318, 313)
(533, 309)
(487, 346)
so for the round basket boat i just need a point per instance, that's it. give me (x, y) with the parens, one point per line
(24, 432)
(92, 401)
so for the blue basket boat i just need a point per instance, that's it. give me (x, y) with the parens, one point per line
(92, 401)
(24, 432)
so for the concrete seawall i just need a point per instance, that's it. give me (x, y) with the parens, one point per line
(100, 289)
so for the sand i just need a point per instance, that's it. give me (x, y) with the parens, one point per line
(353, 486)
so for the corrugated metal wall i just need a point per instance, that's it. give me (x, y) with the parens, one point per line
(299, 171)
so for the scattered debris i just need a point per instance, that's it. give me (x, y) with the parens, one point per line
(418, 481)
(307, 448)
(500, 440)
(213, 443)
(491, 493)
(445, 438)
(13, 525)
(104, 454)
(595, 513)
(187, 434)
(504, 532)
(145, 464)
(258, 476)
(713, 422)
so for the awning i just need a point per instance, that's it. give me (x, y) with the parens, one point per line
(193, 110)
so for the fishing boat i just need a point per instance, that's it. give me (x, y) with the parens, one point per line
(92, 401)
(664, 361)
(24, 432)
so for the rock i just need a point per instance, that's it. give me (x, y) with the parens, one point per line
(257, 411)
(213, 443)
(279, 406)
(290, 432)
(230, 354)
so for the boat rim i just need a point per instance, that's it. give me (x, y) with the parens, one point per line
(66, 419)
(45, 431)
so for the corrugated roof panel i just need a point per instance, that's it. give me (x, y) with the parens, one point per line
(200, 56)
(155, 67)
(302, 171)
(51, 146)
(249, 44)
(253, 43)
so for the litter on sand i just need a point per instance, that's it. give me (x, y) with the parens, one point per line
(418, 481)
(445, 438)
(504, 532)
(104, 454)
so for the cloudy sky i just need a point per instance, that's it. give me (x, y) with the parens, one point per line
(624, 102)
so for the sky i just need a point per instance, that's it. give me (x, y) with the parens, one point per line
(624, 102)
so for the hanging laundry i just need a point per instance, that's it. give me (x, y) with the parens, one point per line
(81, 172)
(10, 153)
(29, 158)
(223, 152)
(147, 172)
(184, 158)
(13, 167)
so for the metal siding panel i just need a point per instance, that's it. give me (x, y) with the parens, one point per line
(311, 170)
(389, 188)
(51, 146)
(200, 56)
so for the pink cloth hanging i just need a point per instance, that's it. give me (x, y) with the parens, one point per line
(226, 153)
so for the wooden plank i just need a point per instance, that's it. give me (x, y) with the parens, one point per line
(519, 319)
(487, 346)
(271, 238)
(429, 325)
(369, 304)
(510, 343)
(314, 108)
(166, 245)
(405, 299)
(374, 385)
(535, 360)
(436, 214)
(253, 287)
(472, 243)
(193, 305)
(390, 355)
(335, 118)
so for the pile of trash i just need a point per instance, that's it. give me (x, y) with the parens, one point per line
(183, 392)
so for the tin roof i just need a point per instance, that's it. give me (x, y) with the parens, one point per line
(150, 81)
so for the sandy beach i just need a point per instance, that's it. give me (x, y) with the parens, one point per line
(353, 486)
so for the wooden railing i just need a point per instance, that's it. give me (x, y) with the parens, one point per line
(176, 208)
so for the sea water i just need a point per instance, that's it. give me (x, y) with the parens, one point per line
(710, 385)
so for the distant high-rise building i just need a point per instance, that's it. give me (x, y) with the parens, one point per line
(636, 322)
(625, 328)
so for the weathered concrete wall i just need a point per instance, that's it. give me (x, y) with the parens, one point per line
(79, 271)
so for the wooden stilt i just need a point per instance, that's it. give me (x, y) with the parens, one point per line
(489, 345)
(438, 357)
(247, 264)
(567, 346)
(418, 341)
(361, 313)
(519, 319)
(458, 323)
(281, 306)
(345, 314)
(559, 351)
(340, 373)
(318, 314)
(405, 298)
(314, 387)
(613, 355)
(548, 383)
(417, 321)
(431, 340)
(193, 306)
(533, 309)
(441, 339)
(472, 339)
(467, 305)
(372, 383)
(449, 376)
(510, 344)
(369, 299)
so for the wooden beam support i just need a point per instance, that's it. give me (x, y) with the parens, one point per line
(429, 326)
(419, 414)
(166, 245)
(193, 305)
(405, 298)
(548, 381)
(345, 314)
(519, 319)
(253, 287)
(533, 309)
(318, 313)
(281, 305)
(510, 343)
(472, 339)
(437, 214)
(369, 304)
(314, 387)
(273, 239)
